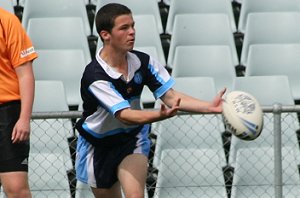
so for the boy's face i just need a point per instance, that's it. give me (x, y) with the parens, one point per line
(122, 35)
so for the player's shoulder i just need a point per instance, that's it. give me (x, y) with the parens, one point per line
(8, 17)
(141, 55)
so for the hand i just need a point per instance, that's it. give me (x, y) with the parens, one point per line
(170, 112)
(21, 131)
(217, 102)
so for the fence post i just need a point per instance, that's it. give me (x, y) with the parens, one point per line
(277, 110)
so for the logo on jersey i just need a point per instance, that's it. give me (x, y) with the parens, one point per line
(27, 52)
(138, 78)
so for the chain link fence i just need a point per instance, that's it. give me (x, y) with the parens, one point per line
(192, 155)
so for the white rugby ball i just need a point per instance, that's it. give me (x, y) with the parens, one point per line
(242, 115)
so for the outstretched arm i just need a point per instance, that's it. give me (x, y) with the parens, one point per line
(130, 116)
(191, 104)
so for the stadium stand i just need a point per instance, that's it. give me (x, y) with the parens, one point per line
(56, 8)
(270, 28)
(199, 7)
(48, 175)
(276, 59)
(45, 35)
(268, 90)
(66, 65)
(201, 29)
(259, 6)
(200, 174)
(50, 95)
(254, 173)
(205, 60)
(48, 135)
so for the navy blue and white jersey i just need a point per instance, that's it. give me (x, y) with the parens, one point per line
(105, 91)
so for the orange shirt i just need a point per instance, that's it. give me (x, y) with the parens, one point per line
(15, 49)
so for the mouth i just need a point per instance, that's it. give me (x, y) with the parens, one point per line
(131, 41)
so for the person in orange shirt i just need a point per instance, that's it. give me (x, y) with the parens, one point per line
(16, 100)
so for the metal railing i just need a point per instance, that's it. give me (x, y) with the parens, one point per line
(57, 128)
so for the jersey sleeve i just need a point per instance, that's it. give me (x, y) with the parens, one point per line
(20, 48)
(108, 96)
(159, 80)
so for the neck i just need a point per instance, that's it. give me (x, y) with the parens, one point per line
(116, 60)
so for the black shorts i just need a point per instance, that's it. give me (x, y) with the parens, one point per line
(97, 165)
(13, 157)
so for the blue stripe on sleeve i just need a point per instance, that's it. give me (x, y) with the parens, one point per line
(122, 105)
(164, 88)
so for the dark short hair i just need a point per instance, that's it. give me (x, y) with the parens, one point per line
(106, 15)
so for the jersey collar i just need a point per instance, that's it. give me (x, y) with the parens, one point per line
(134, 64)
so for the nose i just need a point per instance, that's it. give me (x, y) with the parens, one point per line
(132, 30)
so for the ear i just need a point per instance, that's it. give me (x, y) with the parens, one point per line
(105, 35)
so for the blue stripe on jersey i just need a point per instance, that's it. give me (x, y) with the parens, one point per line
(163, 89)
(112, 132)
(155, 73)
(121, 105)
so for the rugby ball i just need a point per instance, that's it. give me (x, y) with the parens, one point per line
(242, 115)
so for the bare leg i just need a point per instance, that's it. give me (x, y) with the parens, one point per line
(15, 184)
(132, 173)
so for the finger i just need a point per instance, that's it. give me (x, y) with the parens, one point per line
(222, 92)
(13, 135)
(162, 107)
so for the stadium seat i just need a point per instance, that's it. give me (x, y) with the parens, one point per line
(201, 29)
(254, 173)
(268, 90)
(200, 7)
(66, 65)
(65, 38)
(45, 35)
(270, 28)
(51, 135)
(48, 175)
(189, 131)
(190, 173)
(56, 8)
(276, 59)
(50, 95)
(206, 61)
(259, 6)
(137, 7)
(7, 5)
(201, 87)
